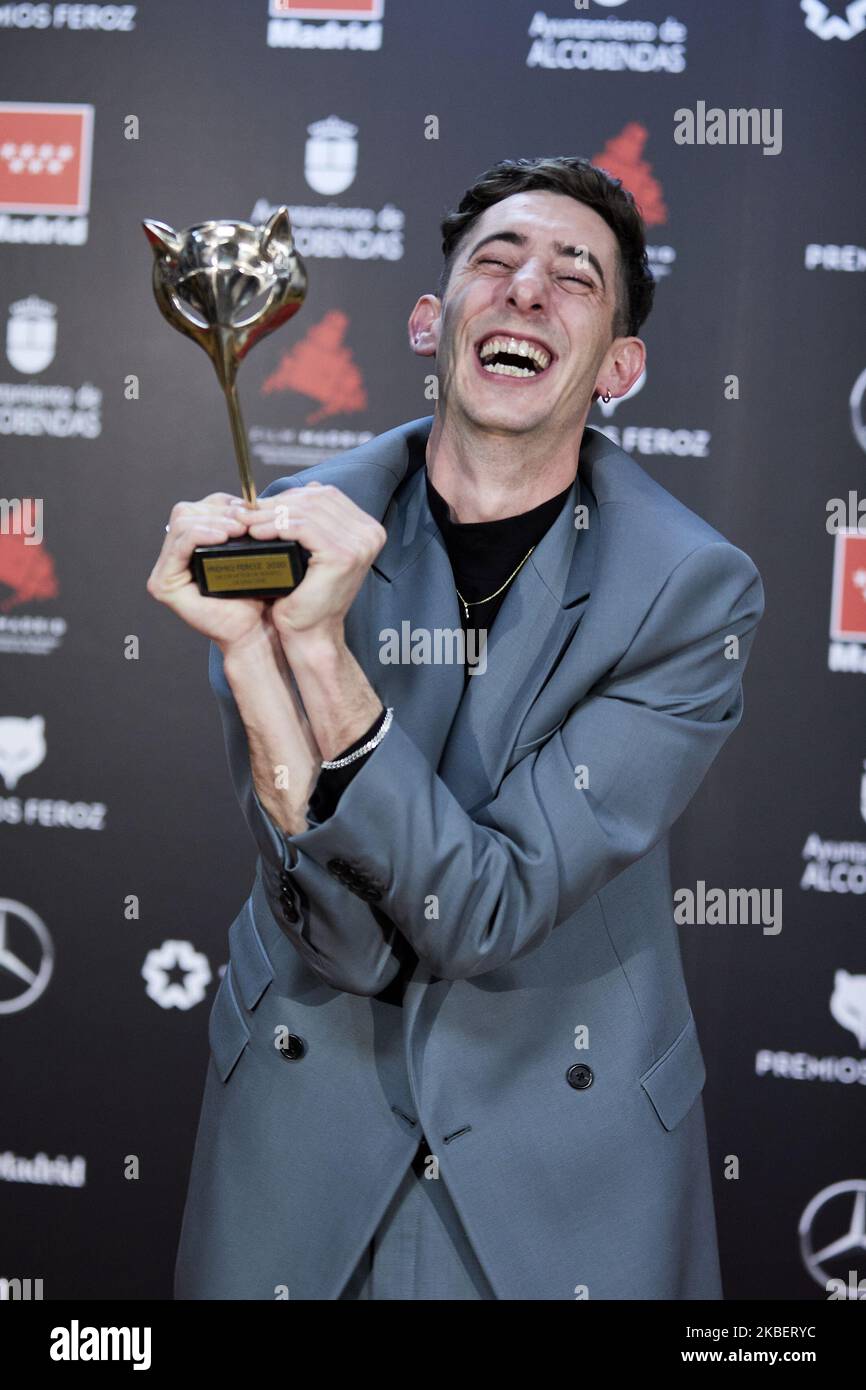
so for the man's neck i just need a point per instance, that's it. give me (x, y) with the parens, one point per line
(485, 476)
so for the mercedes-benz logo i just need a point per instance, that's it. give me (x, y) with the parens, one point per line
(26, 956)
(848, 1247)
(855, 403)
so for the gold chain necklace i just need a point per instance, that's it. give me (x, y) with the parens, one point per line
(475, 602)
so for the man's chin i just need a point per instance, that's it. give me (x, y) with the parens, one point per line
(503, 417)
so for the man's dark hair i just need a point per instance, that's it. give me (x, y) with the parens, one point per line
(579, 179)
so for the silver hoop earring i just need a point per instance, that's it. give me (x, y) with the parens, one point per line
(606, 396)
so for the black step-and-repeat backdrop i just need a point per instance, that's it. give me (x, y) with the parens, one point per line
(123, 855)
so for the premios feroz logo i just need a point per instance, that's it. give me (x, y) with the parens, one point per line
(23, 749)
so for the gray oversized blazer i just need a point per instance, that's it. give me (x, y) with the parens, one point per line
(475, 908)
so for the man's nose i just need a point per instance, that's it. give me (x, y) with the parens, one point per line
(528, 288)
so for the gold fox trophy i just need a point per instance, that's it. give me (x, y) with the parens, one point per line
(227, 285)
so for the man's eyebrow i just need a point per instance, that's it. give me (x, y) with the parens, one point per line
(517, 239)
(580, 253)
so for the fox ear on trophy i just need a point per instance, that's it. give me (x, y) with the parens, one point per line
(163, 238)
(278, 228)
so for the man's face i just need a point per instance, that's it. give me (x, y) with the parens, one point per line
(527, 318)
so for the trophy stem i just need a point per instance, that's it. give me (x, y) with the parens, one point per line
(239, 435)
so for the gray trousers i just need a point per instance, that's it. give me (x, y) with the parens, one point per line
(420, 1250)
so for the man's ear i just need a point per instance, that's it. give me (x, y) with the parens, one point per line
(623, 363)
(424, 322)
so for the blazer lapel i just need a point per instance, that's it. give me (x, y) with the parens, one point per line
(467, 734)
(468, 737)
(409, 595)
(538, 616)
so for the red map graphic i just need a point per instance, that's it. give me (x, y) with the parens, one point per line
(326, 9)
(848, 622)
(28, 570)
(322, 367)
(622, 156)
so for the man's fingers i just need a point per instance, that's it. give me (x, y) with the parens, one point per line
(171, 571)
(318, 515)
(186, 531)
(324, 535)
(221, 503)
(222, 498)
(322, 500)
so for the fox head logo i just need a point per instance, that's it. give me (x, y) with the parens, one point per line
(22, 747)
(848, 1004)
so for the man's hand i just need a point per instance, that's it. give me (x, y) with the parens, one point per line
(278, 733)
(216, 518)
(343, 542)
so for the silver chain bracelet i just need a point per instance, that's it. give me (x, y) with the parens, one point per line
(371, 743)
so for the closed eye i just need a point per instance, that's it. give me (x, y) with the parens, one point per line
(575, 279)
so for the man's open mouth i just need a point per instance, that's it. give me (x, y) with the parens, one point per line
(508, 356)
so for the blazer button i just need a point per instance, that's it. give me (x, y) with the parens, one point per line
(290, 911)
(340, 869)
(579, 1076)
(292, 1048)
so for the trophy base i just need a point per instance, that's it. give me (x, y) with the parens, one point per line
(248, 568)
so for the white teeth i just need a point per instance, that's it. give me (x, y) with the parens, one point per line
(518, 347)
(505, 369)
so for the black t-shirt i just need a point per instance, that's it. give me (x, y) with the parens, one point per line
(483, 555)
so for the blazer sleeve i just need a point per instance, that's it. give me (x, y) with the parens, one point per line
(345, 941)
(473, 892)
